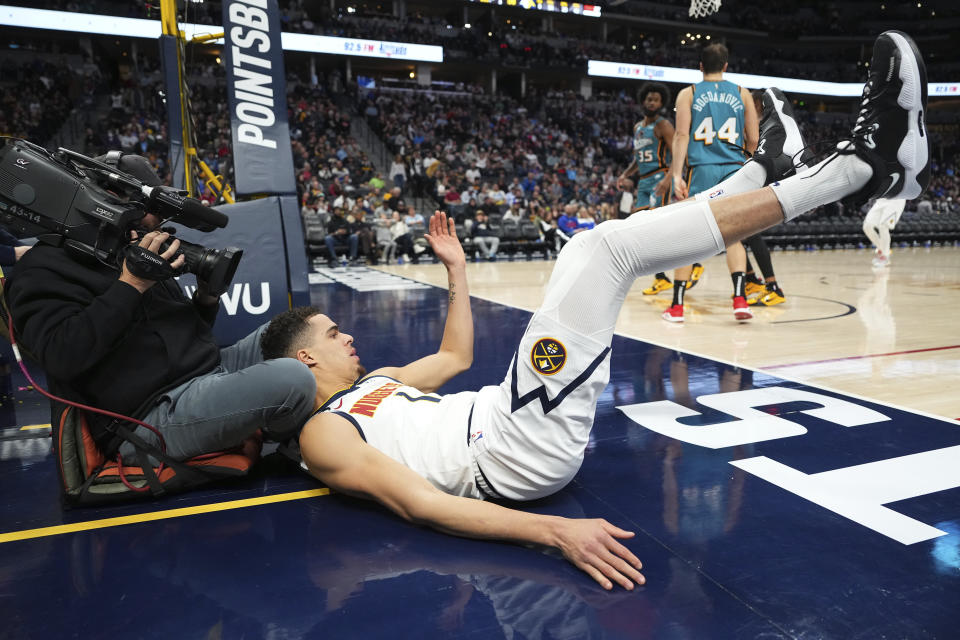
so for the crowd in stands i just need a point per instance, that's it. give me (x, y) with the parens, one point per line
(533, 48)
(552, 158)
(791, 17)
(36, 108)
(41, 83)
(475, 146)
(528, 43)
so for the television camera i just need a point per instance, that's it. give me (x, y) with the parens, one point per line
(90, 207)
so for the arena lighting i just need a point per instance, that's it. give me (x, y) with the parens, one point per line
(604, 69)
(556, 6)
(140, 28)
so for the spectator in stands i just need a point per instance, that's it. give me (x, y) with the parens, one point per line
(484, 237)
(393, 199)
(471, 193)
(309, 207)
(398, 172)
(569, 224)
(367, 235)
(546, 221)
(402, 238)
(339, 170)
(321, 204)
(376, 182)
(340, 233)
(529, 183)
(489, 206)
(450, 195)
(496, 192)
(413, 217)
(514, 214)
(417, 175)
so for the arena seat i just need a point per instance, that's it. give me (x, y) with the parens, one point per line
(88, 477)
(509, 236)
(531, 240)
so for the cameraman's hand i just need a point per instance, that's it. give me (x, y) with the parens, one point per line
(151, 242)
(203, 295)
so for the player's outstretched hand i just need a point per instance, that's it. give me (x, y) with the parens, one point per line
(592, 546)
(443, 240)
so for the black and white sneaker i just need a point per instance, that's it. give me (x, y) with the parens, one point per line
(780, 139)
(890, 133)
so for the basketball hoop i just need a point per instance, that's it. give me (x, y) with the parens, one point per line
(702, 8)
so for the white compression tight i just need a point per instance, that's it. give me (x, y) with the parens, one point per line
(596, 269)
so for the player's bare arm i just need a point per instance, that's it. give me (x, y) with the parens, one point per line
(751, 122)
(455, 354)
(681, 140)
(665, 132)
(629, 171)
(335, 453)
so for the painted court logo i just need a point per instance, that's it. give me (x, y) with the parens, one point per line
(548, 356)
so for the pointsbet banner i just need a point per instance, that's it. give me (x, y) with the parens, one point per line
(257, 92)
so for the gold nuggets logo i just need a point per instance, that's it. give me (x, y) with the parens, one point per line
(548, 356)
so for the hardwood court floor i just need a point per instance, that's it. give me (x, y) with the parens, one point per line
(888, 335)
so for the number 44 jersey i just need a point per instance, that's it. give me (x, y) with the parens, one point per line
(716, 124)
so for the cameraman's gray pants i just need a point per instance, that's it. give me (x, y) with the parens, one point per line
(220, 409)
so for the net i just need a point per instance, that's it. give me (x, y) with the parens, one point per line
(701, 8)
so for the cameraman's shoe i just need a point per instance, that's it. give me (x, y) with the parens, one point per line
(890, 133)
(780, 139)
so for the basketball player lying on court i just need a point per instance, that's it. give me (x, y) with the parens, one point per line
(433, 459)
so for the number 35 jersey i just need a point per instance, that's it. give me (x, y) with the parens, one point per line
(716, 124)
(649, 151)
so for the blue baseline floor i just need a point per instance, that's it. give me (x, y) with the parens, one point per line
(726, 553)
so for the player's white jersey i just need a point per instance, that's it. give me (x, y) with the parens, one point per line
(426, 432)
(521, 440)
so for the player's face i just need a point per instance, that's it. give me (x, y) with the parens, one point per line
(333, 350)
(652, 103)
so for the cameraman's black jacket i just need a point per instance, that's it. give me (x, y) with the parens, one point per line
(99, 340)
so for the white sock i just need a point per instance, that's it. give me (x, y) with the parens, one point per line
(747, 178)
(822, 184)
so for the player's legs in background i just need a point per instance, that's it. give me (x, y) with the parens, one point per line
(881, 218)
(769, 292)
(737, 264)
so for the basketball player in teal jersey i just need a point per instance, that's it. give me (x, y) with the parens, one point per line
(723, 122)
(652, 138)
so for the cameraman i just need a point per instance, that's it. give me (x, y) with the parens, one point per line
(137, 346)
